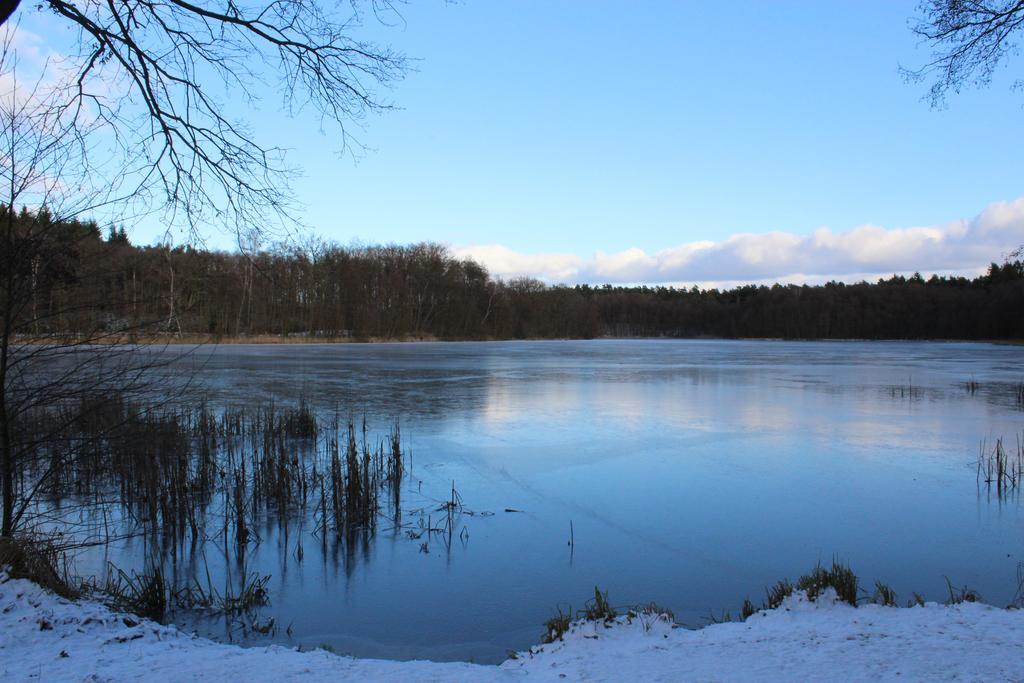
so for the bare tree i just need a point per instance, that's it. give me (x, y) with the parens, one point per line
(969, 40)
(152, 77)
(133, 120)
(60, 340)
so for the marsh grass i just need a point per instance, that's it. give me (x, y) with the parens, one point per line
(1000, 468)
(151, 595)
(39, 559)
(171, 470)
(186, 478)
(251, 595)
(300, 422)
(145, 594)
(905, 391)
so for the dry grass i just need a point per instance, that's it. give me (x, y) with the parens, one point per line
(884, 595)
(777, 593)
(1000, 468)
(557, 626)
(37, 559)
(177, 471)
(598, 608)
(961, 594)
(190, 338)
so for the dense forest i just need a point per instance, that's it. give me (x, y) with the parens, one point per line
(80, 278)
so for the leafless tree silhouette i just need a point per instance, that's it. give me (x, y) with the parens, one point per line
(133, 119)
(152, 80)
(969, 40)
(58, 345)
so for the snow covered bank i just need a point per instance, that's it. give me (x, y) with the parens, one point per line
(46, 638)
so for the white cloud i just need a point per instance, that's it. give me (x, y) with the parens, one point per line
(504, 262)
(864, 252)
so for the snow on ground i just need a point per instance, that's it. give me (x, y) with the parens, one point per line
(47, 638)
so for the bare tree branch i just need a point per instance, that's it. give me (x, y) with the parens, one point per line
(969, 40)
(145, 78)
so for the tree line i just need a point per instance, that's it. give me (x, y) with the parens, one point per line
(82, 280)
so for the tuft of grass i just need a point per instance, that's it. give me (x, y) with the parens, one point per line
(838, 577)
(299, 422)
(252, 594)
(654, 609)
(145, 594)
(884, 595)
(557, 626)
(650, 614)
(962, 594)
(150, 595)
(777, 593)
(37, 559)
(598, 608)
(1001, 468)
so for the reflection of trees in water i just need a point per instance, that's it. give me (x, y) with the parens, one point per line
(211, 501)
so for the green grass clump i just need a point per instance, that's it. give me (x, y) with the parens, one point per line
(838, 577)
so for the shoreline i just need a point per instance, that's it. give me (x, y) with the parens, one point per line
(44, 637)
(284, 340)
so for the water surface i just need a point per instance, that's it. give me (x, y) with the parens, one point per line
(693, 473)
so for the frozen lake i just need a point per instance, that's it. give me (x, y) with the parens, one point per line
(694, 473)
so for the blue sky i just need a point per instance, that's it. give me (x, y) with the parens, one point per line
(534, 134)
